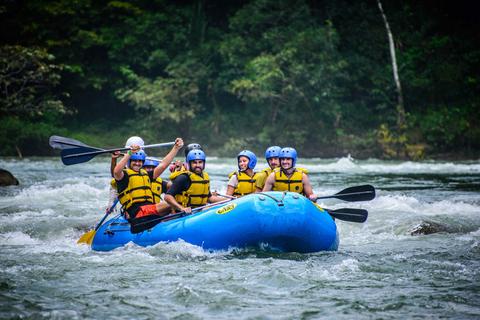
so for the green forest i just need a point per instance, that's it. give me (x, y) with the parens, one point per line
(383, 79)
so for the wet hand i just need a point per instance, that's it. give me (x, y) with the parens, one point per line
(187, 210)
(134, 148)
(116, 154)
(313, 197)
(178, 143)
(175, 166)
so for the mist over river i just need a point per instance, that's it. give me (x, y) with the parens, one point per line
(384, 268)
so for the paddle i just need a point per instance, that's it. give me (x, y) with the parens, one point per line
(226, 196)
(58, 142)
(349, 214)
(87, 237)
(352, 194)
(83, 154)
(345, 214)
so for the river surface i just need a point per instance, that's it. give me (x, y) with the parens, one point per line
(380, 271)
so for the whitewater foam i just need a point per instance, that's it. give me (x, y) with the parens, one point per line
(17, 238)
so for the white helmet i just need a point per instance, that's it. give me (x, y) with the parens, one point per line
(134, 140)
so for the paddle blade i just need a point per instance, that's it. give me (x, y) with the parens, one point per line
(76, 155)
(87, 237)
(352, 194)
(58, 142)
(349, 214)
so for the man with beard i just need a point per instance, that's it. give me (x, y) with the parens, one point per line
(271, 155)
(191, 189)
(288, 177)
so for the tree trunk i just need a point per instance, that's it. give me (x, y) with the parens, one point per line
(216, 113)
(400, 105)
(198, 25)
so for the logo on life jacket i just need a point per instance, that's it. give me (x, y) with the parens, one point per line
(227, 208)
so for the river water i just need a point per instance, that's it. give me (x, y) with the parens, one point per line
(381, 270)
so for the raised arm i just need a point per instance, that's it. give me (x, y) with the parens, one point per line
(168, 158)
(118, 171)
(113, 162)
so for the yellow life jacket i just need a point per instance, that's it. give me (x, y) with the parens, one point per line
(262, 178)
(179, 197)
(138, 189)
(197, 193)
(246, 184)
(283, 183)
(302, 170)
(175, 174)
(157, 190)
(113, 183)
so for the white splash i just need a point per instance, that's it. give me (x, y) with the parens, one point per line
(16, 238)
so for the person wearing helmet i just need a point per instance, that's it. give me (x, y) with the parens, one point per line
(158, 185)
(288, 178)
(178, 167)
(134, 187)
(113, 194)
(191, 188)
(116, 154)
(242, 182)
(272, 156)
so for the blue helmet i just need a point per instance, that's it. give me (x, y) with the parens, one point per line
(289, 153)
(192, 146)
(139, 155)
(196, 154)
(152, 162)
(272, 152)
(251, 157)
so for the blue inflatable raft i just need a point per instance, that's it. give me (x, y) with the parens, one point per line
(283, 221)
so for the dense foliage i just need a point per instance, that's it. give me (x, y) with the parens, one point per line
(316, 75)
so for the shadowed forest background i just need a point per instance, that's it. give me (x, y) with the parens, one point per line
(315, 75)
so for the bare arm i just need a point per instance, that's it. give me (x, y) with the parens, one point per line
(213, 199)
(260, 183)
(174, 204)
(232, 184)
(118, 170)
(113, 162)
(269, 182)
(168, 158)
(230, 190)
(307, 187)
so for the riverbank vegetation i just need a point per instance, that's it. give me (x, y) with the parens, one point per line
(317, 75)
